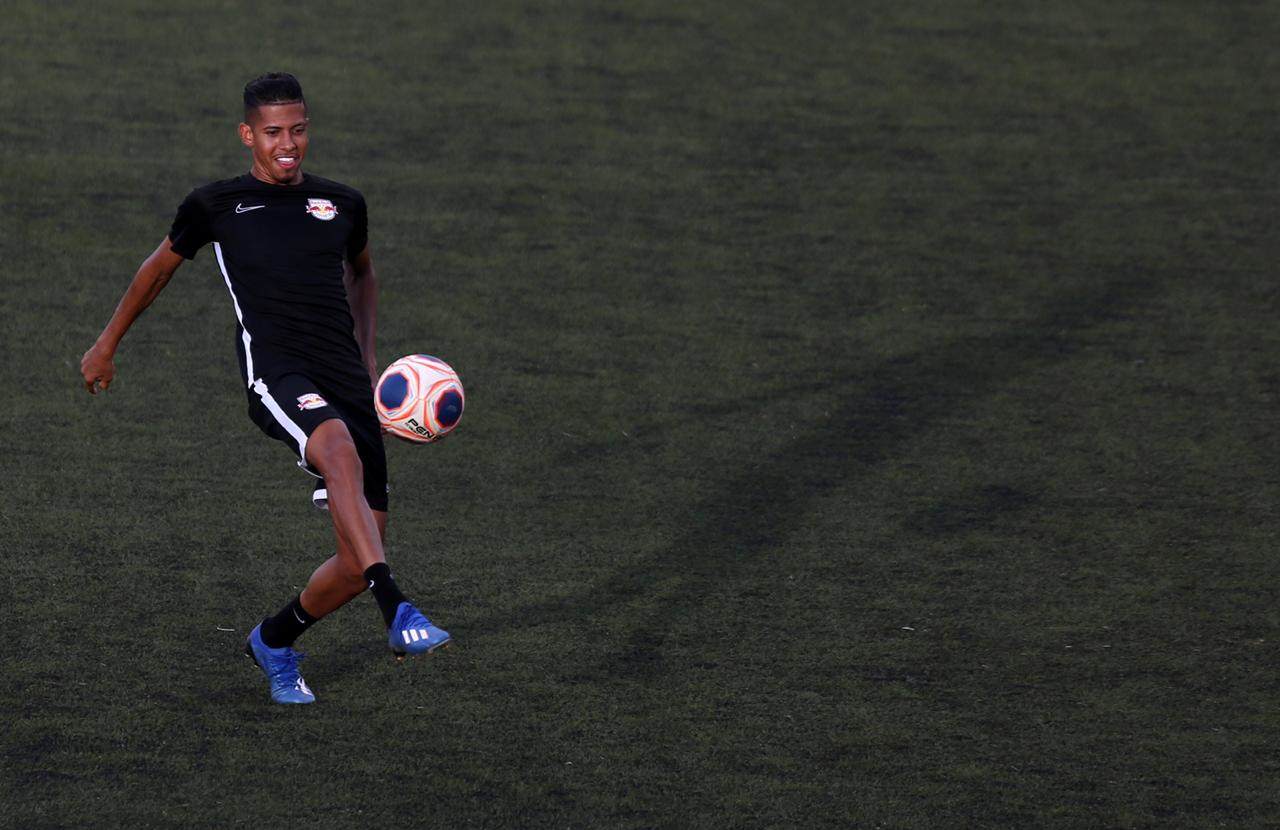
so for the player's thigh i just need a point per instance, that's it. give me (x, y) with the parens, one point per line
(358, 429)
(331, 449)
(366, 433)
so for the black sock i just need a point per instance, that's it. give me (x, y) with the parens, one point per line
(282, 629)
(384, 590)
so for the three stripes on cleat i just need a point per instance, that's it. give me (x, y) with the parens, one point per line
(412, 632)
(413, 635)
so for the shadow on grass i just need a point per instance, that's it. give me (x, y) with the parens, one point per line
(755, 511)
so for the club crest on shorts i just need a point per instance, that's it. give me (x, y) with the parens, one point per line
(311, 401)
(322, 209)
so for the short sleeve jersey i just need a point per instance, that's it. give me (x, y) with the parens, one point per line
(280, 250)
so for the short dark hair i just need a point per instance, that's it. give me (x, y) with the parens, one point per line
(272, 88)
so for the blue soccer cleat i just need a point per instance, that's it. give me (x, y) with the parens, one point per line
(412, 633)
(280, 665)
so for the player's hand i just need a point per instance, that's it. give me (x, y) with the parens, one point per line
(98, 369)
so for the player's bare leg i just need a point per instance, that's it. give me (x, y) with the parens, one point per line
(332, 453)
(340, 579)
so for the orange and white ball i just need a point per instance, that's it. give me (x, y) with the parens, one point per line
(419, 398)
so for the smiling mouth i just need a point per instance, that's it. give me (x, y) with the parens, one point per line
(286, 161)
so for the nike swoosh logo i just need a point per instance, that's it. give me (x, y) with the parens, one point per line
(241, 209)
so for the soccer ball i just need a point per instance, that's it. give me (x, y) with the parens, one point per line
(419, 398)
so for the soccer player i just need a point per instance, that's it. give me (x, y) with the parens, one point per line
(293, 251)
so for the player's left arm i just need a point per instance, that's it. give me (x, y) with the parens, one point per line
(362, 296)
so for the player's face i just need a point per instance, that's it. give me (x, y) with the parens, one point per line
(277, 136)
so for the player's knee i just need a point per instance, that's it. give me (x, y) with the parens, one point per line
(333, 453)
(344, 465)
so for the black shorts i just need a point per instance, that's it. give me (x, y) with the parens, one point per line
(290, 407)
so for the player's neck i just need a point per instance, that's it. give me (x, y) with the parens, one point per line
(265, 179)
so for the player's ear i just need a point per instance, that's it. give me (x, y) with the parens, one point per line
(246, 134)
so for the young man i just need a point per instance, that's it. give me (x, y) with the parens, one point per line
(293, 251)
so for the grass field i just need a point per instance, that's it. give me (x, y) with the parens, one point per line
(871, 419)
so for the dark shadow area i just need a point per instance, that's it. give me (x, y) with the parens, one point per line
(882, 407)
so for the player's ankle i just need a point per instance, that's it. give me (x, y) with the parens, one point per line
(287, 625)
(384, 590)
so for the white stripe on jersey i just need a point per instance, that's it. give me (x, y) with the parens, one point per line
(256, 384)
(248, 355)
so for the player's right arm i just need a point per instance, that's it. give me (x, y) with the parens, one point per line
(98, 364)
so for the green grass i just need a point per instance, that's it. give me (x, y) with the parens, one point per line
(870, 419)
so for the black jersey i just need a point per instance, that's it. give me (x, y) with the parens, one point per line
(281, 249)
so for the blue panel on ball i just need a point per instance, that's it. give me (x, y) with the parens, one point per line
(393, 390)
(449, 409)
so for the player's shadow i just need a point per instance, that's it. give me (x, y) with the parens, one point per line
(756, 510)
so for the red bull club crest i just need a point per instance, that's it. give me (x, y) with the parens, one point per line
(322, 209)
(311, 401)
